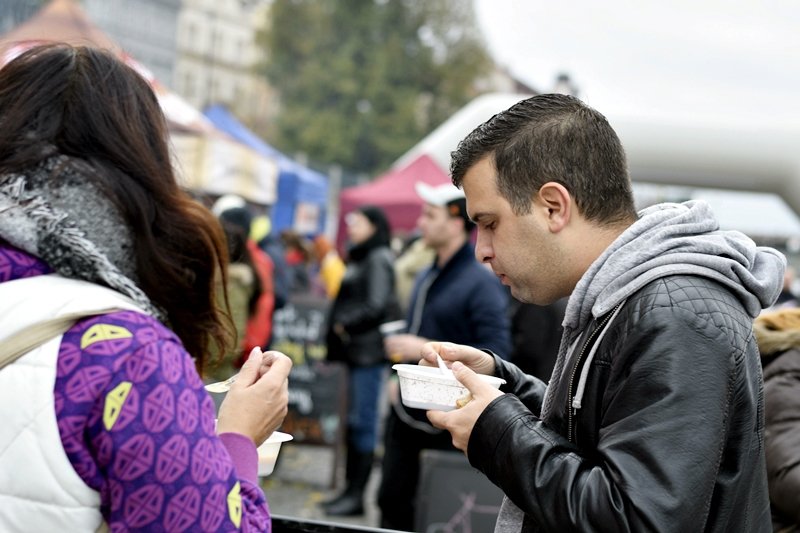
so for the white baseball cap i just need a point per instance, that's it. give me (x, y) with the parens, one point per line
(440, 195)
(228, 201)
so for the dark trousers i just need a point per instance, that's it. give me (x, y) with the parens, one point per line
(401, 463)
(366, 386)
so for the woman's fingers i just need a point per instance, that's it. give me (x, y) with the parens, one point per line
(275, 380)
(267, 361)
(249, 372)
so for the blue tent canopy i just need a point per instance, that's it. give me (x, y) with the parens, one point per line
(299, 187)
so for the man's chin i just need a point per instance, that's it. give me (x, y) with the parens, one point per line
(522, 296)
(527, 297)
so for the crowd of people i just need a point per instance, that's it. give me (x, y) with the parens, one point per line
(650, 359)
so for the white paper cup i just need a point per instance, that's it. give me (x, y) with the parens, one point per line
(425, 387)
(268, 452)
(392, 328)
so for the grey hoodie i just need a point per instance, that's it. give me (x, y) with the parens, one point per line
(667, 239)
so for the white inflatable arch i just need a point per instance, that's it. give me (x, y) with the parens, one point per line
(732, 157)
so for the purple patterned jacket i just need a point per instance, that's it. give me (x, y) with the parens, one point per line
(138, 426)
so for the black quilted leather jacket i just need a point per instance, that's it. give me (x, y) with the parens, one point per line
(365, 300)
(670, 433)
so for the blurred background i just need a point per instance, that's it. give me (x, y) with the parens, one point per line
(288, 103)
(307, 109)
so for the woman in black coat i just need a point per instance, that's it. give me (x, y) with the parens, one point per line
(365, 300)
(778, 335)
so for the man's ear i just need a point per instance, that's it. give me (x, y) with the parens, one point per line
(556, 201)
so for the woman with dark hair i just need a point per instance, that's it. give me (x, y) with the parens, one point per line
(243, 291)
(365, 300)
(110, 421)
(296, 255)
(258, 321)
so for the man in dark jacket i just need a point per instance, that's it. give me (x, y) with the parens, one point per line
(653, 418)
(455, 299)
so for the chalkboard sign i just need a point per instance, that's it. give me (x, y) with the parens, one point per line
(317, 399)
(454, 497)
(298, 328)
(317, 389)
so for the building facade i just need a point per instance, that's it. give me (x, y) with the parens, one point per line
(218, 55)
(145, 29)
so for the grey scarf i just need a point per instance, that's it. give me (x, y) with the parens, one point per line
(56, 213)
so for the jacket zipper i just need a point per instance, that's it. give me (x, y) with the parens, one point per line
(570, 410)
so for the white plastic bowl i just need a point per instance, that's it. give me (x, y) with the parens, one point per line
(425, 387)
(268, 452)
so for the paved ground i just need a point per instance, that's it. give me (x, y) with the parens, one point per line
(303, 477)
(460, 499)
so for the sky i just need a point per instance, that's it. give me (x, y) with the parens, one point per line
(709, 61)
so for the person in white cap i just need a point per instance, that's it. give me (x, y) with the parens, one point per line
(233, 210)
(456, 299)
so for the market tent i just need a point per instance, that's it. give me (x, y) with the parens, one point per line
(217, 165)
(394, 192)
(302, 192)
(63, 21)
(205, 158)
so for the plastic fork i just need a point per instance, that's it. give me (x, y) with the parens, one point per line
(221, 386)
(443, 367)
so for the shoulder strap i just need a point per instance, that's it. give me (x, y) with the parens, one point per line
(37, 334)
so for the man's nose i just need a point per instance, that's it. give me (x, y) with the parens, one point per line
(483, 248)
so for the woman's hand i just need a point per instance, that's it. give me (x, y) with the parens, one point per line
(258, 400)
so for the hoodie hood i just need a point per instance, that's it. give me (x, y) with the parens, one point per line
(670, 239)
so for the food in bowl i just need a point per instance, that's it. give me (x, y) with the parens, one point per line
(425, 387)
(268, 452)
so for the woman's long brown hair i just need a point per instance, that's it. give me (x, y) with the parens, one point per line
(90, 105)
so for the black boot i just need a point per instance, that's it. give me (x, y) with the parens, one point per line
(351, 502)
(351, 465)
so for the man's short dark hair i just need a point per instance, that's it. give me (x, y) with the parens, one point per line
(558, 138)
